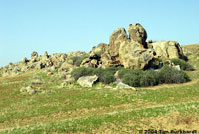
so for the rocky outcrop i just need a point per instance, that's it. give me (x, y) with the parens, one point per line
(129, 52)
(59, 62)
(167, 49)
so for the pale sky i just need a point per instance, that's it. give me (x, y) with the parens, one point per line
(61, 26)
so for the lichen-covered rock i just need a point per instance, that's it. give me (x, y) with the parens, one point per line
(34, 54)
(66, 67)
(99, 48)
(24, 60)
(76, 54)
(116, 38)
(133, 56)
(167, 49)
(87, 81)
(137, 33)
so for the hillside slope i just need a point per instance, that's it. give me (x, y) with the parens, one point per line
(192, 52)
(74, 109)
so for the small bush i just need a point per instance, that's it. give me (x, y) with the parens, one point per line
(149, 78)
(77, 60)
(183, 64)
(131, 77)
(81, 71)
(105, 75)
(170, 75)
(107, 78)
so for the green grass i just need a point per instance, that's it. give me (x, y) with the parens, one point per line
(90, 110)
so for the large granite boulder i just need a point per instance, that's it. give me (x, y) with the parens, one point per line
(167, 49)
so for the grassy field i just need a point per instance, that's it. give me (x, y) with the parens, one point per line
(93, 110)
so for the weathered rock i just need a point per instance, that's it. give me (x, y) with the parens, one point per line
(69, 79)
(94, 62)
(137, 33)
(28, 89)
(16, 71)
(116, 38)
(66, 67)
(24, 60)
(133, 56)
(100, 48)
(167, 49)
(34, 54)
(39, 65)
(121, 85)
(87, 81)
(24, 68)
(76, 53)
(46, 54)
(49, 74)
(86, 62)
(58, 59)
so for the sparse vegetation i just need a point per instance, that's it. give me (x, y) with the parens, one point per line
(183, 64)
(82, 110)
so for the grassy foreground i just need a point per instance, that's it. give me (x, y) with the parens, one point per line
(92, 110)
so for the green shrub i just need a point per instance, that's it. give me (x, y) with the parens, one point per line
(122, 72)
(105, 75)
(149, 78)
(139, 78)
(77, 60)
(171, 75)
(183, 64)
(131, 77)
(107, 78)
(81, 71)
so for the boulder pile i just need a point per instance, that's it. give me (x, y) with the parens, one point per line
(60, 62)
